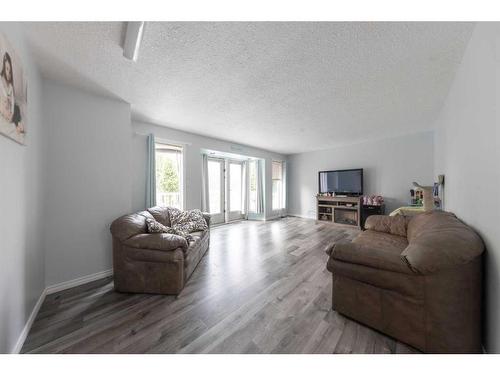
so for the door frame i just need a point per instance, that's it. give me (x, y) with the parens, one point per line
(220, 218)
(238, 214)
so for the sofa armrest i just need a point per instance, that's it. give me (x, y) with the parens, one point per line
(128, 226)
(366, 256)
(157, 241)
(451, 250)
(388, 224)
(207, 216)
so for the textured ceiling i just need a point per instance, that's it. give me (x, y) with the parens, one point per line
(282, 86)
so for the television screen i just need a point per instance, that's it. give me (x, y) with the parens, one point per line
(345, 182)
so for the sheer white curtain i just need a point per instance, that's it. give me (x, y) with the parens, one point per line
(151, 173)
(323, 181)
(260, 186)
(205, 204)
(284, 191)
(245, 190)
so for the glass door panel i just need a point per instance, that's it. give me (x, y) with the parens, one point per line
(216, 190)
(235, 190)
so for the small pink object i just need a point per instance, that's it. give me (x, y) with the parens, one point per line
(373, 200)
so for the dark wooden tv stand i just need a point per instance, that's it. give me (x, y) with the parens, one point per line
(339, 210)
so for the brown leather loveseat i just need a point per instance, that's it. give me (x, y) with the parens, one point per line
(154, 262)
(416, 279)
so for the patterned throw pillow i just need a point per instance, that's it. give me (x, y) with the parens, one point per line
(156, 227)
(187, 221)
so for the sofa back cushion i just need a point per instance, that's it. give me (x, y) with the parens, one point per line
(161, 215)
(395, 225)
(130, 225)
(419, 222)
(439, 240)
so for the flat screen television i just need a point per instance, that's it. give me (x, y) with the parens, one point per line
(341, 182)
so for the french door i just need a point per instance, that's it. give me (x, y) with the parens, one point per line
(235, 189)
(216, 190)
(226, 192)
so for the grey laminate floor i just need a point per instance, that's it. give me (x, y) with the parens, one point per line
(261, 288)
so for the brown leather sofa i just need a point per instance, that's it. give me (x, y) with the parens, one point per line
(158, 263)
(416, 279)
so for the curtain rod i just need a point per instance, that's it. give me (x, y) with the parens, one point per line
(165, 140)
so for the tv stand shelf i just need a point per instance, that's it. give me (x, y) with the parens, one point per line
(339, 210)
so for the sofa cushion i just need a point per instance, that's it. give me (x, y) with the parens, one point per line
(161, 215)
(417, 224)
(157, 241)
(439, 240)
(389, 224)
(198, 234)
(388, 258)
(156, 227)
(381, 240)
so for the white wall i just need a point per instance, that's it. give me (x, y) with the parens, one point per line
(195, 144)
(467, 152)
(390, 166)
(21, 202)
(96, 171)
(88, 179)
(83, 166)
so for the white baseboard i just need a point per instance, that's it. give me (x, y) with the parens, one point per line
(50, 290)
(303, 216)
(79, 281)
(29, 323)
(273, 217)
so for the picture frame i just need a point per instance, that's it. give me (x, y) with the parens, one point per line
(13, 93)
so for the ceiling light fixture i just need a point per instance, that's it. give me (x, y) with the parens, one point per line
(133, 39)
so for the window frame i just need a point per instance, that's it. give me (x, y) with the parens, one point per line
(237, 214)
(282, 200)
(252, 164)
(220, 218)
(182, 146)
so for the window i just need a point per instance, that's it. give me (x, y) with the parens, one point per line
(277, 177)
(169, 177)
(252, 186)
(216, 186)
